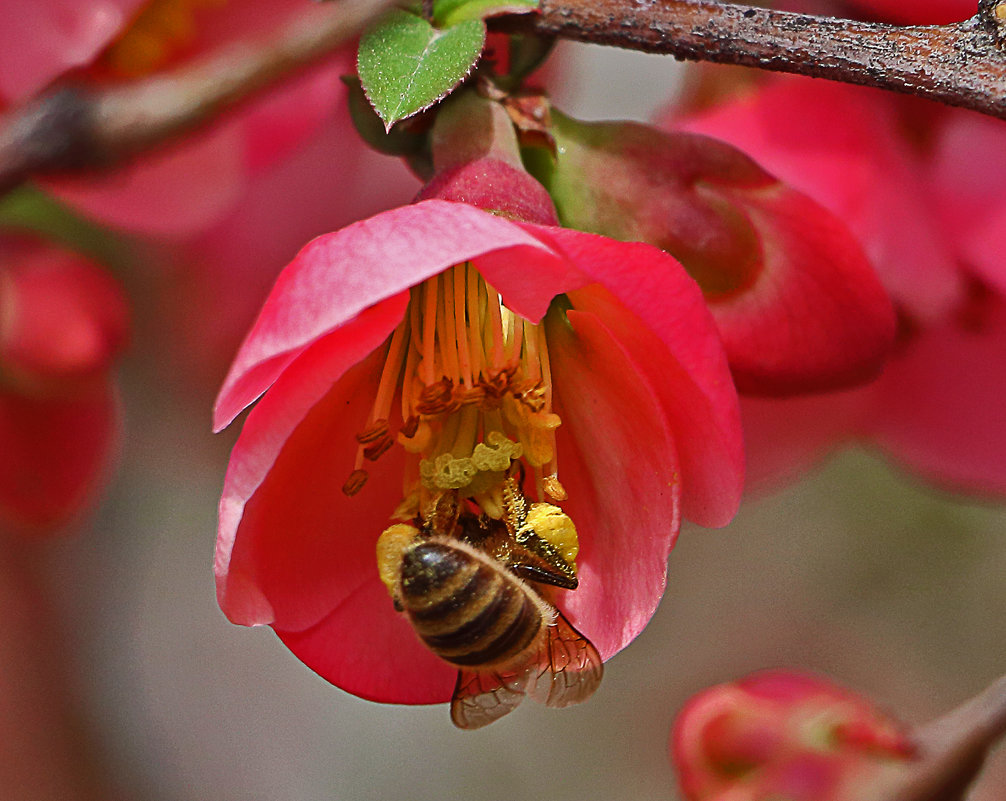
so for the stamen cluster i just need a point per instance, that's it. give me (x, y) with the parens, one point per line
(474, 387)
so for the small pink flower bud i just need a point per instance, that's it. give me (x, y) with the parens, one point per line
(783, 734)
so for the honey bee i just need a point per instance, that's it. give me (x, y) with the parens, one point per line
(460, 580)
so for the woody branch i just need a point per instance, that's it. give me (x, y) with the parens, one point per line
(75, 128)
(963, 64)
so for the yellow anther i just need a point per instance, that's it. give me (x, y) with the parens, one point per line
(555, 527)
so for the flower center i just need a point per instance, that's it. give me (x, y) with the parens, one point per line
(160, 31)
(475, 390)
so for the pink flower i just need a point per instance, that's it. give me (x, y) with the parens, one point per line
(62, 323)
(926, 212)
(918, 12)
(187, 186)
(42, 39)
(783, 734)
(609, 381)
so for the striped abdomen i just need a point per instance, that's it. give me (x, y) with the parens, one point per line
(467, 608)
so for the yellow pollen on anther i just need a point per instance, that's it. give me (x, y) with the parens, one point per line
(472, 382)
(160, 31)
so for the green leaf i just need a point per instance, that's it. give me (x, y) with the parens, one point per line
(451, 12)
(400, 142)
(406, 65)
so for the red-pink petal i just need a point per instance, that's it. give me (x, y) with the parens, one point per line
(41, 39)
(940, 406)
(280, 122)
(657, 313)
(336, 276)
(783, 734)
(286, 529)
(837, 144)
(785, 437)
(367, 648)
(969, 173)
(172, 192)
(303, 555)
(254, 21)
(618, 463)
(56, 455)
(919, 12)
(810, 321)
(188, 186)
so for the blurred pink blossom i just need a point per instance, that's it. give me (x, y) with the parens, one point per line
(63, 321)
(783, 734)
(188, 185)
(903, 175)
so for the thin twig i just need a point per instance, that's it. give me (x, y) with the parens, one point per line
(952, 749)
(961, 64)
(78, 127)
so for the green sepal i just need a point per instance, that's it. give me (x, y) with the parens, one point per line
(401, 141)
(451, 12)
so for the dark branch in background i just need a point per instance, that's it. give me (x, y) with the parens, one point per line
(961, 64)
(79, 127)
(953, 748)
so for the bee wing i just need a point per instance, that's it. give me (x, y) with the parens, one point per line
(482, 697)
(569, 667)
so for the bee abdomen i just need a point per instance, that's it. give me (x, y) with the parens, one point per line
(465, 609)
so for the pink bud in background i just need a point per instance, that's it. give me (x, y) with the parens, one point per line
(923, 187)
(186, 186)
(63, 321)
(783, 734)
(795, 299)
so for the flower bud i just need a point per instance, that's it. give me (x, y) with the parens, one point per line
(797, 303)
(784, 734)
(477, 161)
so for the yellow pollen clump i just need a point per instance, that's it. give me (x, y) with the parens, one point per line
(159, 32)
(390, 546)
(556, 528)
(447, 472)
(496, 452)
